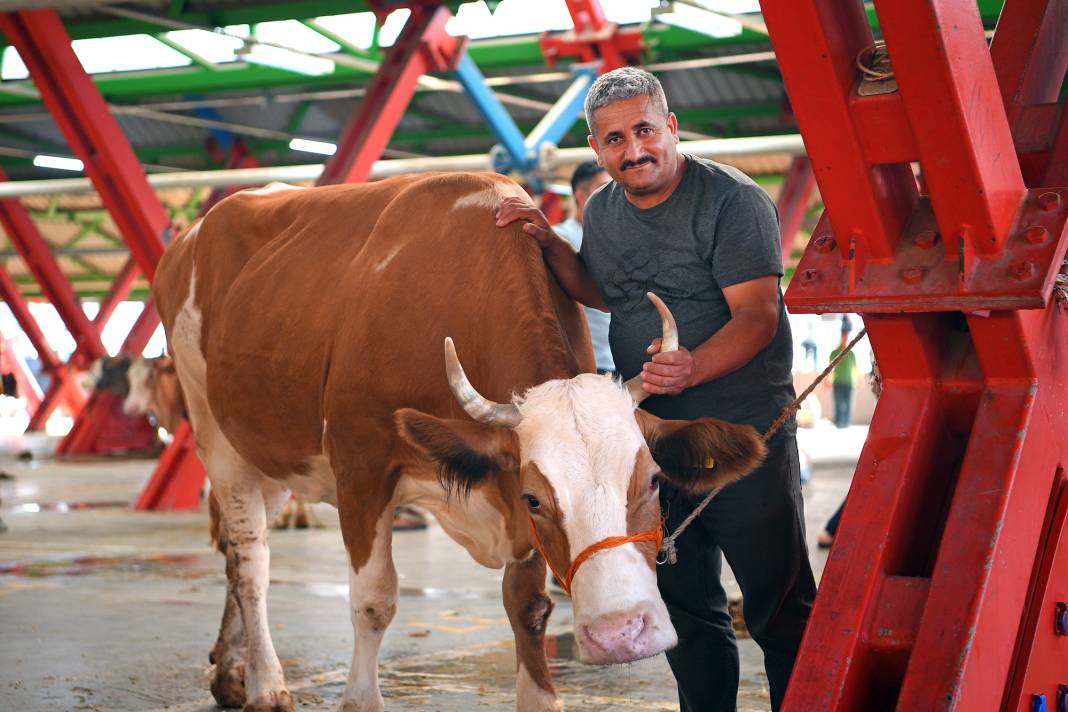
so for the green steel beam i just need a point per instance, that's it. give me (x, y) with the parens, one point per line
(193, 56)
(666, 43)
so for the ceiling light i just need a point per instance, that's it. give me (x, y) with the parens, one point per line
(281, 58)
(324, 147)
(697, 19)
(67, 164)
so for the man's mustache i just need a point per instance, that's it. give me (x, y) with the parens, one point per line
(634, 164)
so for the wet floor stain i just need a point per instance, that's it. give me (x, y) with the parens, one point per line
(173, 566)
(35, 507)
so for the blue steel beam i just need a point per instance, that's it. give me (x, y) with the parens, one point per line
(566, 111)
(513, 151)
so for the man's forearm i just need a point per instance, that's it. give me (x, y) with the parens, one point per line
(572, 274)
(733, 346)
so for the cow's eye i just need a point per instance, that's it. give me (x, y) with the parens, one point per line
(654, 482)
(532, 502)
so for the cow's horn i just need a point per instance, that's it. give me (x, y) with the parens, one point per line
(479, 408)
(669, 341)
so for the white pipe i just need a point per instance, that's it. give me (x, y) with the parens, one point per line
(228, 178)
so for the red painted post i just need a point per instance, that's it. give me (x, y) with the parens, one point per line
(940, 588)
(179, 477)
(793, 203)
(423, 46)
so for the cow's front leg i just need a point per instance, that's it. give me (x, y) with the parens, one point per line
(373, 601)
(528, 611)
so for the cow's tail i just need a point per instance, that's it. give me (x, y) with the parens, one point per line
(216, 527)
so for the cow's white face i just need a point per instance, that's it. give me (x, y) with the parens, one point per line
(587, 463)
(586, 474)
(140, 395)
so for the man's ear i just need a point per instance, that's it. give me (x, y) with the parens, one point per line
(466, 452)
(701, 455)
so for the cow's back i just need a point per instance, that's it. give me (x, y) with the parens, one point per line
(341, 301)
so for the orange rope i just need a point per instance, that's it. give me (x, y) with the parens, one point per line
(655, 535)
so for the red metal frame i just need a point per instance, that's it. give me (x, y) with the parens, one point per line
(38, 257)
(64, 389)
(940, 589)
(178, 478)
(119, 290)
(793, 203)
(593, 38)
(95, 137)
(93, 133)
(423, 46)
(27, 385)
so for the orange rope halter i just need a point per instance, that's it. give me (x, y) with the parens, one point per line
(655, 535)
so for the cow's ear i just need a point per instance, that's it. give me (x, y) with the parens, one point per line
(704, 454)
(466, 452)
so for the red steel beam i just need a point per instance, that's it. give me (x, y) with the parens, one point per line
(39, 259)
(59, 391)
(793, 203)
(119, 290)
(27, 385)
(593, 38)
(1030, 53)
(955, 117)
(818, 44)
(12, 296)
(423, 46)
(941, 583)
(91, 130)
(142, 330)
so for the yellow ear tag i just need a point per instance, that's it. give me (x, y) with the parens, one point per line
(710, 464)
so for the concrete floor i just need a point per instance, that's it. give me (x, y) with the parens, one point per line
(103, 608)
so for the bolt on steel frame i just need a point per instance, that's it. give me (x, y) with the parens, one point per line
(942, 589)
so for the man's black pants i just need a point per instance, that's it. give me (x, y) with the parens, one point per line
(759, 524)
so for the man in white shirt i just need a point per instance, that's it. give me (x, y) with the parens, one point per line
(585, 181)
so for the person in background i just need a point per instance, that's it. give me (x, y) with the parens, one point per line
(826, 537)
(844, 375)
(811, 356)
(585, 181)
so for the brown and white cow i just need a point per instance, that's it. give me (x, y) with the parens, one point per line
(307, 328)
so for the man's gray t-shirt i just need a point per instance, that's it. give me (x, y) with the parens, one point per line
(717, 229)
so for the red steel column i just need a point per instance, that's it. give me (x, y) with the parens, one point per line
(38, 257)
(940, 591)
(63, 388)
(793, 203)
(422, 46)
(119, 290)
(91, 130)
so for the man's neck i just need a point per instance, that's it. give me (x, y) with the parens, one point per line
(651, 200)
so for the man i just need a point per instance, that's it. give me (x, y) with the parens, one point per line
(844, 375)
(705, 238)
(587, 178)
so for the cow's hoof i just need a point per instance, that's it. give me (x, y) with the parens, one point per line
(351, 706)
(280, 701)
(228, 687)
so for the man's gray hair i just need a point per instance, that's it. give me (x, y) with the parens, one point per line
(624, 83)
